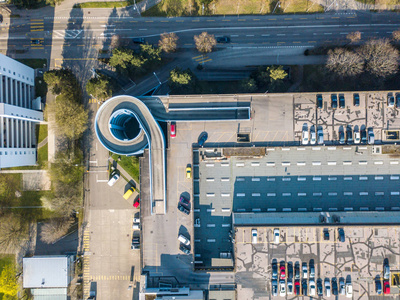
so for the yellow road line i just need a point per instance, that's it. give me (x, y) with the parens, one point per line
(242, 20)
(197, 56)
(149, 21)
(296, 42)
(180, 21)
(164, 21)
(207, 60)
(312, 41)
(37, 20)
(226, 20)
(256, 19)
(41, 23)
(210, 20)
(36, 29)
(195, 20)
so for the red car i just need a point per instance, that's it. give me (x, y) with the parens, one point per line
(386, 287)
(136, 203)
(283, 273)
(173, 129)
(297, 287)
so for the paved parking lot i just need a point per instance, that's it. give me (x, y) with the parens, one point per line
(361, 257)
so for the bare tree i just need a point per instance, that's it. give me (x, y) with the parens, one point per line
(13, 231)
(115, 41)
(168, 42)
(381, 58)
(55, 229)
(205, 42)
(396, 35)
(354, 37)
(344, 63)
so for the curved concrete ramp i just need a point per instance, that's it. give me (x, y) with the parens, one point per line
(150, 135)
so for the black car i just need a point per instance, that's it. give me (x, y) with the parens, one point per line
(320, 291)
(36, 42)
(138, 40)
(342, 102)
(290, 270)
(183, 209)
(184, 249)
(398, 100)
(341, 137)
(304, 287)
(349, 135)
(274, 270)
(202, 139)
(223, 40)
(363, 136)
(334, 101)
(319, 101)
(326, 234)
(297, 270)
(341, 235)
(356, 100)
(334, 287)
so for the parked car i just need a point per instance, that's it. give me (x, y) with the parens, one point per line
(327, 287)
(363, 136)
(276, 235)
(135, 226)
(334, 101)
(223, 40)
(341, 137)
(313, 137)
(184, 240)
(184, 201)
(386, 287)
(341, 286)
(356, 100)
(378, 286)
(289, 270)
(282, 288)
(390, 100)
(312, 270)
(304, 287)
(342, 103)
(296, 287)
(357, 137)
(312, 287)
(138, 40)
(184, 249)
(326, 234)
(305, 137)
(349, 290)
(202, 139)
(274, 270)
(371, 136)
(289, 287)
(334, 286)
(386, 269)
(341, 237)
(36, 42)
(136, 203)
(136, 220)
(282, 272)
(183, 209)
(304, 270)
(173, 129)
(320, 136)
(320, 290)
(254, 236)
(188, 172)
(114, 178)
(297, 270)
(319, 101)
(274, 284)
(398, 100)
(349, 135)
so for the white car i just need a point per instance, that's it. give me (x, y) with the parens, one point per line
(113, 179)
(254, 236)
(327, 287)
(282, 288)
(313, 138)
(349, 290)
(289, 287)
(312, 287)
(305, 137)
(357, 137)
(184, 240)
(136, 220)
(276, 235)
(304, 269)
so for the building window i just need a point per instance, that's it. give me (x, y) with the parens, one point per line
(13, 73)
(1, 153)
(16, 153)
(5, 153)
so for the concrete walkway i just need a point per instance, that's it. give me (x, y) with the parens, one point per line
(42, 143)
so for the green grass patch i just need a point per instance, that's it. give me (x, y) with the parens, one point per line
(16, 16)
(43, 154)
(104, 4)
(34, 63)
(177, 8)
(129, 163)
(41, 132)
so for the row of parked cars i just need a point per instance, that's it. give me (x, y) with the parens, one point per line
(305, 282)
(392, 100)
(348, 136)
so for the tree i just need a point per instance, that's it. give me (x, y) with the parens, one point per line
(276, 73)
(380, 57)
(9, 282)
(354, 37)
(205, 42)
(121, 58)
(179, 79)
(344, 63)
(115, 42)
(70, 117)
(396, 35)
(13, 231)
(55, 229)
(248, 85)
(150, 53)
(66, 168)
(138, 61)
(99, 87)
(63, 82)
(168, 42)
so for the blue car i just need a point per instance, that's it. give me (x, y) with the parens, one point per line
(334, 101)
(202, 139)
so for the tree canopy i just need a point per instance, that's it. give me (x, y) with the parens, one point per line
(181, 80)
(9, 282)
(168, 42)
(99, 87)
(205, 42)
(344, 63)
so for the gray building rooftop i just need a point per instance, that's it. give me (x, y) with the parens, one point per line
(45, 272)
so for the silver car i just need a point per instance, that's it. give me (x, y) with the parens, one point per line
(371, 136)
(320, 136)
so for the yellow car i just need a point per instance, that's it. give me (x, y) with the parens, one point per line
(188, 172)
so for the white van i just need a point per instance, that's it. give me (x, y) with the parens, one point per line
(113, 179)
(254, 236)
(184, 240)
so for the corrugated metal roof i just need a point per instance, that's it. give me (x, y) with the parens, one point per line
(313, 218)
(50, 294)
(45, 272)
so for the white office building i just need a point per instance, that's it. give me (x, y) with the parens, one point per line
(19, 113)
